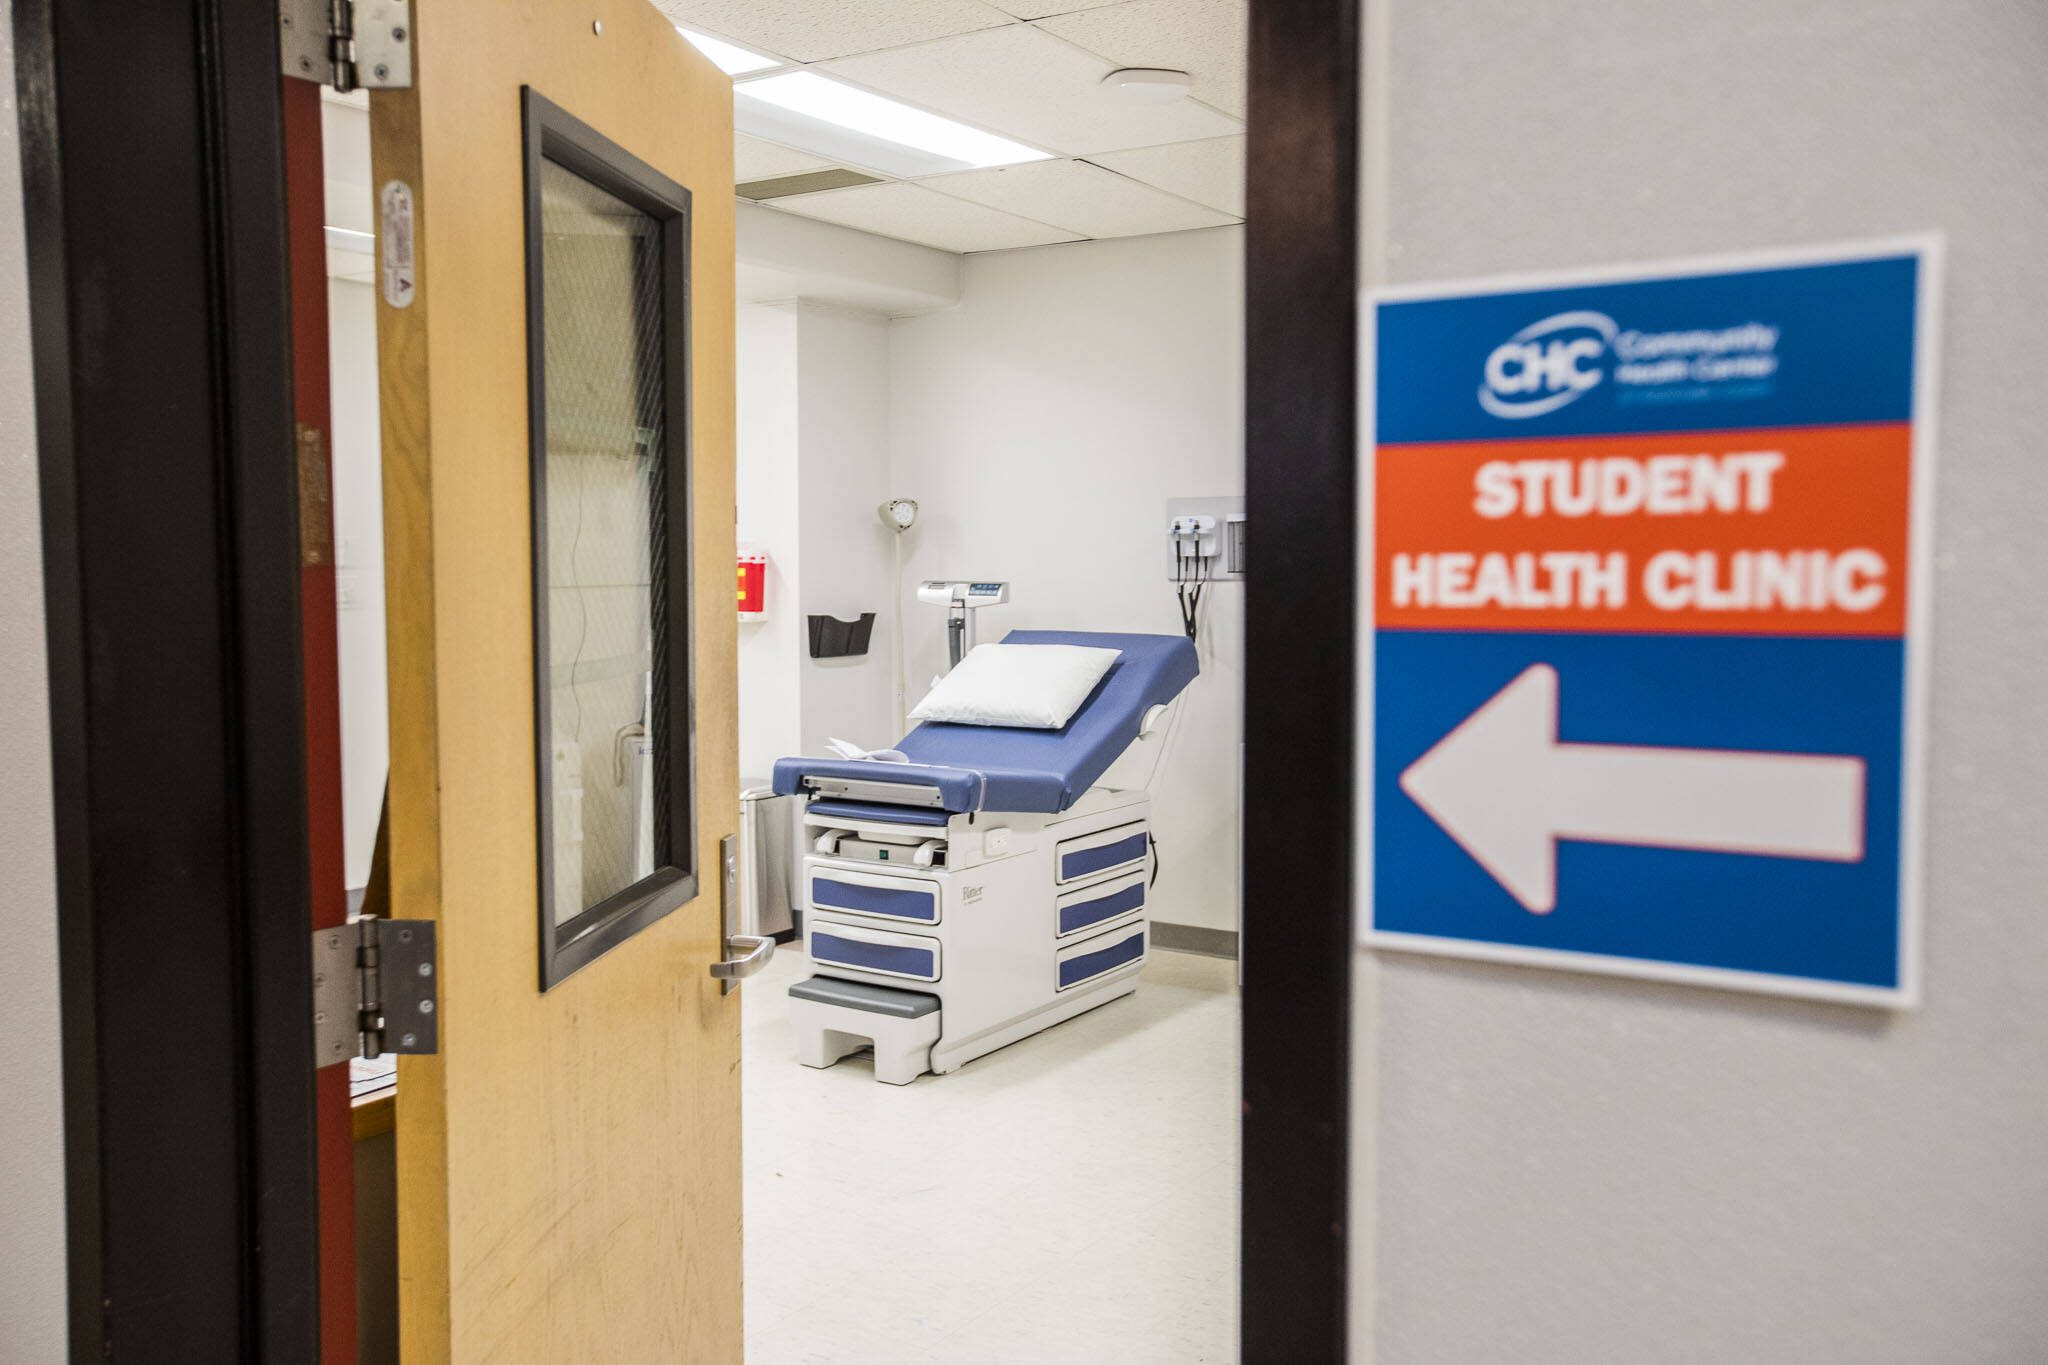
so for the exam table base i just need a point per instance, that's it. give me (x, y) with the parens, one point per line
(903, 1047)
(1019, 923)
(954, 1056)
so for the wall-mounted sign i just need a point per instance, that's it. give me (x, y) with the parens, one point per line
(1647, 600)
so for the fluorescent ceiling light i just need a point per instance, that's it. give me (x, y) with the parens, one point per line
(730, 58)
(817, 114)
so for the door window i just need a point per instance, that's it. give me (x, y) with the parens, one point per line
(608, 363)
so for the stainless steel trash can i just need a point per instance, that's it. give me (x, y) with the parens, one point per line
(768, 860)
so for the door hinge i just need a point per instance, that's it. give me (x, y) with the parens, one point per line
(374, 990)
(346, 43)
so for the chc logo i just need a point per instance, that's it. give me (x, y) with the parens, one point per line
(1546, 365)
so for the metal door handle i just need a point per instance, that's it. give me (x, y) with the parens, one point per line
(755, 949)
(759, 948)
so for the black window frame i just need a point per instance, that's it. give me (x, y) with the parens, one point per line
(551, 133)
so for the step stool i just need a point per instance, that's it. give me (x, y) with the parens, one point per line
(834, 1018)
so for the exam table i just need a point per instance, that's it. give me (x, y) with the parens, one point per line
(986, 889)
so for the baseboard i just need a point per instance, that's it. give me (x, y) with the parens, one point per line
(1193, 938)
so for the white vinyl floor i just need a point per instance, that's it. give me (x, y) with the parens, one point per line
(1072, 1197)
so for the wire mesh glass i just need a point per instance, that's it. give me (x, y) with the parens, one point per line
(605, 542)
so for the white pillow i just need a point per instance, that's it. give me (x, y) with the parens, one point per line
(1038, 687)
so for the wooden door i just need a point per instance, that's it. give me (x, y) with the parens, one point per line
(569, 1162)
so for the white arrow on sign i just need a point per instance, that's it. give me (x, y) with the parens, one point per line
(1504, 787)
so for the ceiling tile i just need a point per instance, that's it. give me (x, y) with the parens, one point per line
(1209, 172)
(916, 214)
(1031, 86)
(1038, 9)
(1079, 197)
(756, 158)
(815, 30)
(1205, 38)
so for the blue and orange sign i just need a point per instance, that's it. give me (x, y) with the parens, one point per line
(1646, 609)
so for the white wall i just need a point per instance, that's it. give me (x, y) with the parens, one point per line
(843, 406)
(356, 457)
(771, 652)
(1041, 425)
(359, 566)
(32, 1280)
(782, 256)
(1567, 1168)
(813, 467)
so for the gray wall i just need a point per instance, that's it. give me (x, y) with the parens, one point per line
(32, 1314)
(1572, 1169)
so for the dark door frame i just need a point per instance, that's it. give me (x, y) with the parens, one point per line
(1301, 478)
(153, 180)
(154, 195)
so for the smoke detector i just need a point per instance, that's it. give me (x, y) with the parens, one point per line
(1147, 84)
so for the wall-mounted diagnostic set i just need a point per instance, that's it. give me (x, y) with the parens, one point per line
(1206, 536)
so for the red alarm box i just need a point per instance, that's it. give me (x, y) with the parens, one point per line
(753, 587)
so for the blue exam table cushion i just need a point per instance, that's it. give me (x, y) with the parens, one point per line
(987, 767)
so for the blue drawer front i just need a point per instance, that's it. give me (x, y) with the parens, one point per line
(876, 957)
(1082, 966)
(1082, 861)
(1084, 913)
(922, 906)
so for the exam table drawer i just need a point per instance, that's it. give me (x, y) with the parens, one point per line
(834, 943)
(1098, 957)
(1093, 907)
(1103, 851)
(912, 900)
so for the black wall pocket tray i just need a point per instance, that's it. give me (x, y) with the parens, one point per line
(832, 638)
